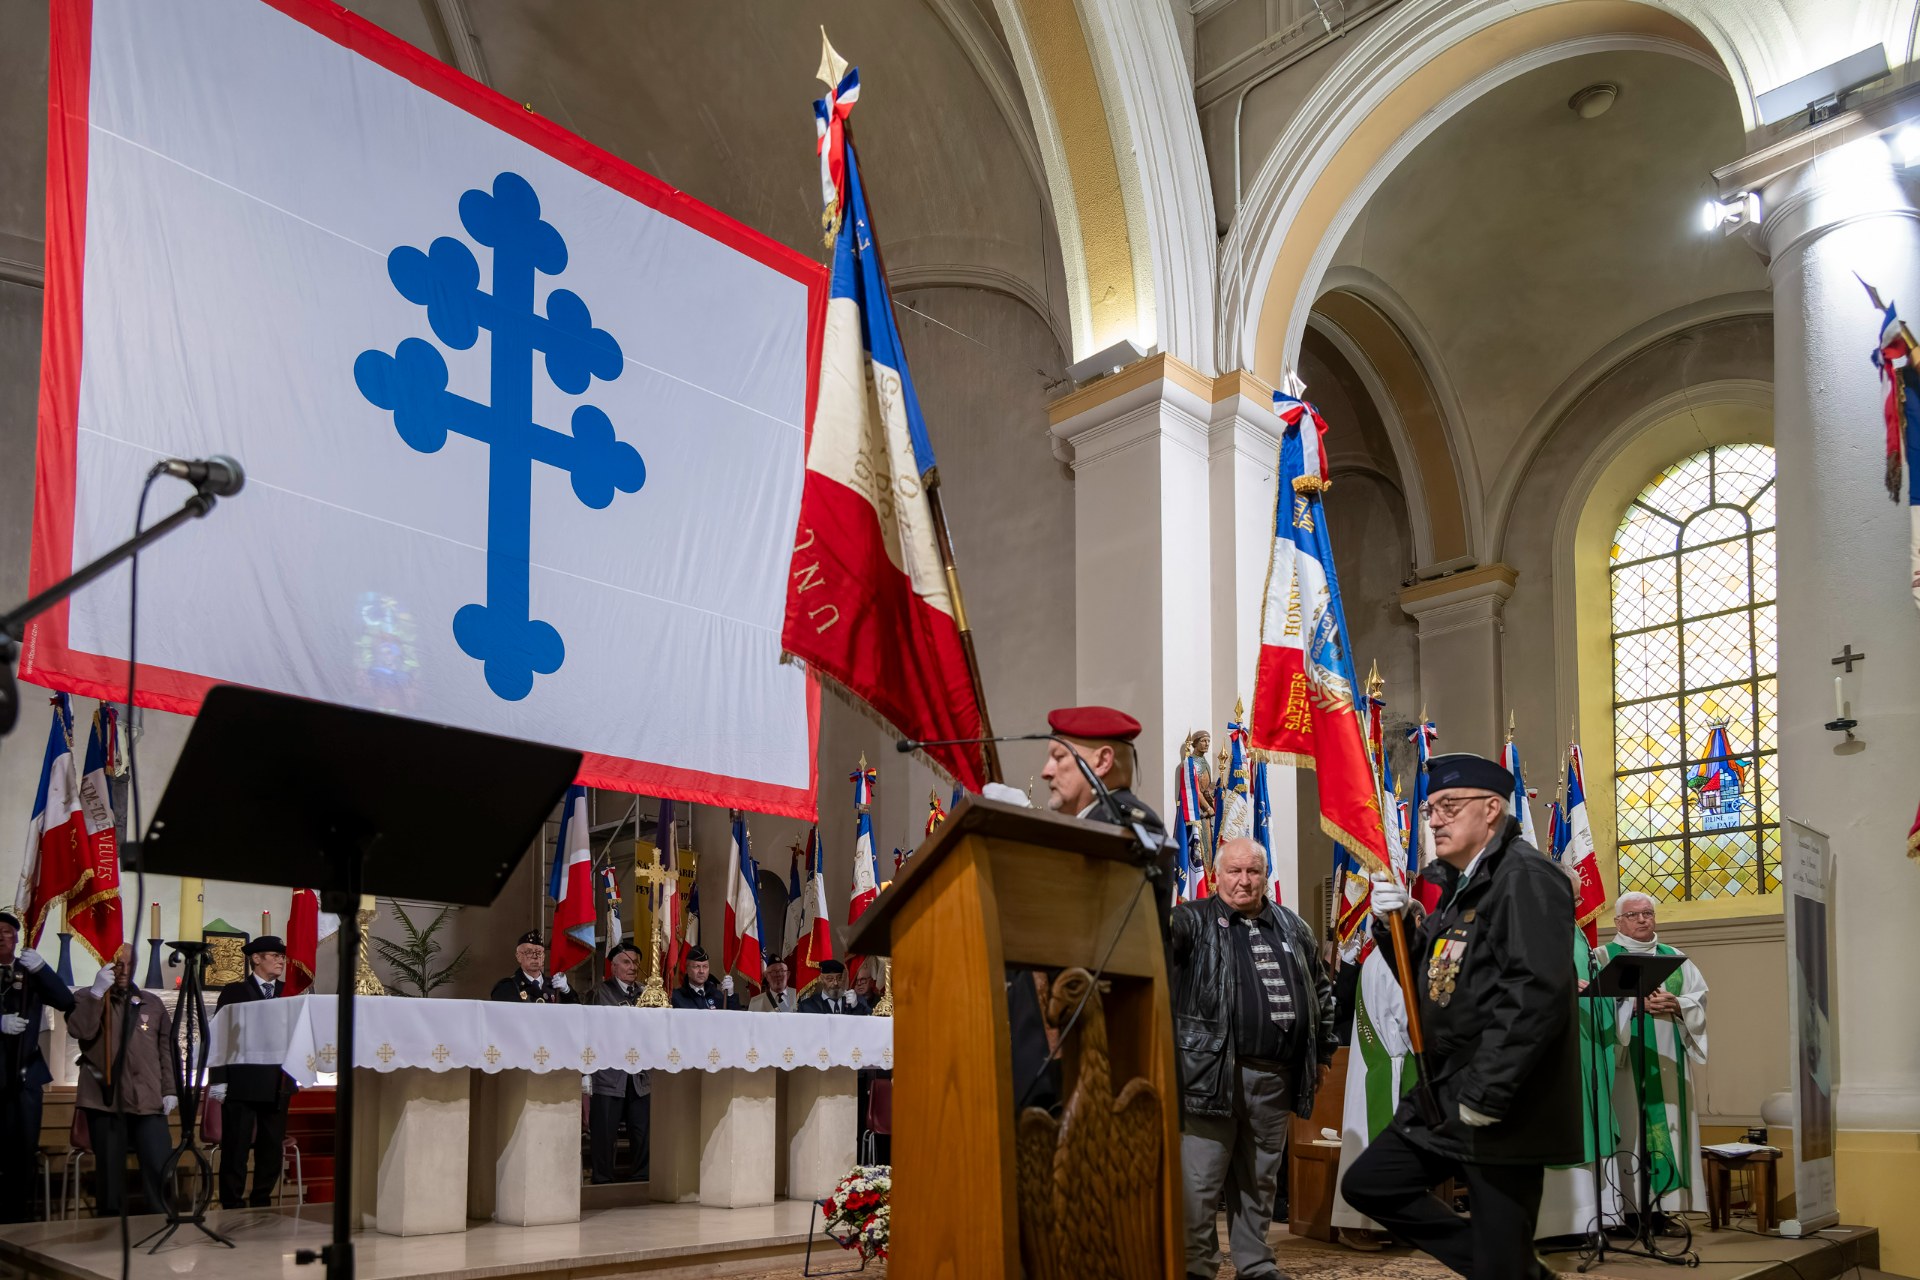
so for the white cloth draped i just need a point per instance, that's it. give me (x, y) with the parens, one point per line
(1677, 1041)
(392, 1033)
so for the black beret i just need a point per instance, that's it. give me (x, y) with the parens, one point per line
(623, 949)
(832, 966)
(531, 938)
(695, 953)
(265, 942)
(1474, 773)
(7, 917)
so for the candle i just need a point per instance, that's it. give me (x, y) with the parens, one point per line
(156, 921)
(1839, 700)
(266, 923)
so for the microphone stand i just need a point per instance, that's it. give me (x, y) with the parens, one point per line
(13, 623)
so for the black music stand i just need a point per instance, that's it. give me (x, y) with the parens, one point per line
(1629, 976)
(277, 790)
(189, 1036)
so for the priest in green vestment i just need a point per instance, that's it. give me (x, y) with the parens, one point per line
(1662, 1047)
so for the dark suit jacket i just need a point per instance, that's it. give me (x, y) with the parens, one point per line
(817, 1003)
(251, 1083)
(517, 986)
(688, 996)
(28, 993)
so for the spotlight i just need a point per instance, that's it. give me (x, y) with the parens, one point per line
(1730, 215)
(1100, 364)
(1906, 144)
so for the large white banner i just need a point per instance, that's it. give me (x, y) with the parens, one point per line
(523, 427)
(1806, 871)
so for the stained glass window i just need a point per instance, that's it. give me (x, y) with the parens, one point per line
(1695, 681)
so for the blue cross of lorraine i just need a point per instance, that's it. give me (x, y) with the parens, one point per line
(502, 634)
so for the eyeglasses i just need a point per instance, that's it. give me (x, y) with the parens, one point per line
(1446, 809)
(1636, 915)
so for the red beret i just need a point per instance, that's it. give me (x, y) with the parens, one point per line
(1093, 722)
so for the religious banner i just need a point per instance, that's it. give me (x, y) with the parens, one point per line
(1894, 357)
(1805, 863)
(1304, 693)
(523, 427)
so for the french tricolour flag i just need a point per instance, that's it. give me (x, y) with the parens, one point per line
(867, 599)
(56, 861)
(1521, 799)
(1593, 891)
(571, 887)
(1304, 711)
(743, 942)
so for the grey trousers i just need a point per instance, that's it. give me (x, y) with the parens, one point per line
(1241, 1155)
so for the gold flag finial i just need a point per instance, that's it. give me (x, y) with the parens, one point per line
(1375, 685)
(863, 759)
(833, 67)
(1240, 710)
(1510, 723)
(1423, 712)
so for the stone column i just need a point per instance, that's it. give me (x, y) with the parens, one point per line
(736, 1138)
(674, 1136)
(524, 1159)
(1460, 676)
(419, 1121)
(1844, 576)
(1138, 443)
(820, 1132)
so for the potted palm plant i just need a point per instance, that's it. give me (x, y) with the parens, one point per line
(415, 962)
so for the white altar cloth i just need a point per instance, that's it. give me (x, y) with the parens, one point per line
(393, 1033)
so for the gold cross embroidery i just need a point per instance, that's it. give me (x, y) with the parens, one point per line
(787, 1056)
(492, 1056)
(326, 1056)
(385, 1053)
(713, 1057)
(541, 1055)
(441, 1053)
(753, 1056)
(587, 1056)
(855, 1055)
(633, 1057)
(673, 1057)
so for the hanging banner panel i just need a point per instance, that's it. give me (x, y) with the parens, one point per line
(523, 427)
(1806, 864)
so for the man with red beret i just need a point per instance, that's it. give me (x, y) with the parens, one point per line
(1102, 739)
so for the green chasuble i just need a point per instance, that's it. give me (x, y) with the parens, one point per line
(1664, 1045)
(1597, 1045)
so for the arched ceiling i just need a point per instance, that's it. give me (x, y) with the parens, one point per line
(717, 101)
(1525, 239)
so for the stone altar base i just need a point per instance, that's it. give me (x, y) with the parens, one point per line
(523, 1164)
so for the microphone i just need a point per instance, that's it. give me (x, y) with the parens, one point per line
(219, 475)
(1100, 791)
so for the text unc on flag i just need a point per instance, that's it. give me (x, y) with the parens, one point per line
(868, 605)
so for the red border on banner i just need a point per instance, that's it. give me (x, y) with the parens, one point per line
(46, 657)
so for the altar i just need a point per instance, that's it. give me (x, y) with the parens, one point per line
(472, 1108)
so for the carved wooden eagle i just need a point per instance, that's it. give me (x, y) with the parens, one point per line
(1089, 1181)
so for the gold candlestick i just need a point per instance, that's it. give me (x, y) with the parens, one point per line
(884, 1007)
(365, 981)
(653, 875)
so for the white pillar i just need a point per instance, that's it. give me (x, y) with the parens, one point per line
(420, 1124)
(1142, 616)
(820, 1131)
(1844, 578)
(674, 1124)
(524, 1157)
(1460, 675)
(736, 1138)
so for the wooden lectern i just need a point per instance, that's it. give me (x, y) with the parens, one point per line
(999, 885)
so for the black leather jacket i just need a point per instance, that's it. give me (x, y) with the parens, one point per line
(1204, 986)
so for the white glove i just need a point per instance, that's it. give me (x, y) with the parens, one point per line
(217, 1092)
(167, 1104)
(12, 1024)
(31, 959)
(560, 982)
(1389, 895)
(1006, 795)
(726, 984)
(102, 980)
(1473, 1119)
(853, 1000)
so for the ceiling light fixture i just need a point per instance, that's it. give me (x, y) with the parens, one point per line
(1594, 101)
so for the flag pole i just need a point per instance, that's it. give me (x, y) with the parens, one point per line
(930, 482)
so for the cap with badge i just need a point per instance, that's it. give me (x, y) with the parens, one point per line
(696, 954)
(7, 917)
(1462, 770)
(265, 944)
(832, 966)
(531, 938)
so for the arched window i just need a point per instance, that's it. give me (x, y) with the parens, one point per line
(1695, 681)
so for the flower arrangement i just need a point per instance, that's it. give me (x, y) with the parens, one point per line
(856, 1210)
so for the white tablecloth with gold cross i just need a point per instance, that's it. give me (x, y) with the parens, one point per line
(392, 1033)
